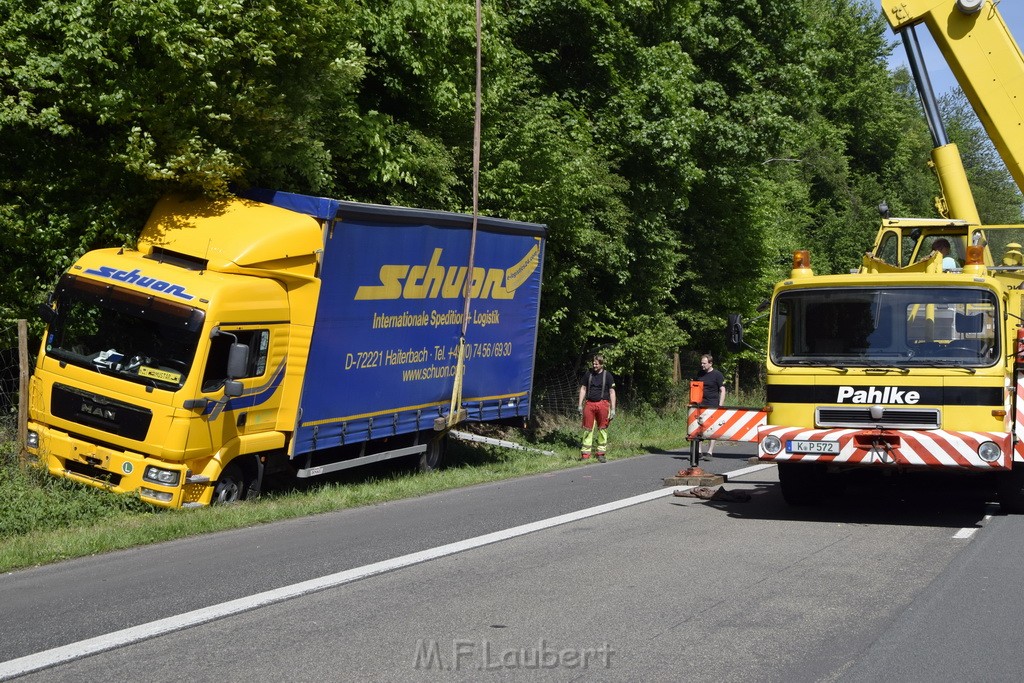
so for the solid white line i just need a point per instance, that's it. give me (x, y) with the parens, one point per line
(747, 470)
(135, 634)
(964, 533)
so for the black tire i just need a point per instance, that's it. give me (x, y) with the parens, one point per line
(233, 485)
(1010, 488)
(433, 458)
(802, 483)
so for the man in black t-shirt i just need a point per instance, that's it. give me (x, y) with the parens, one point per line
(597, 406)
(714, 391)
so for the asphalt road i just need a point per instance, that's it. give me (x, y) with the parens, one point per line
(907, 582)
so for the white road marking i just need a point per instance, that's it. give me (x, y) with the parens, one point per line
(748, 470)
(964, 533)
(135, 634)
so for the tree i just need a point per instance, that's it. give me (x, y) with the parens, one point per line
(677, 150)
(106, 104)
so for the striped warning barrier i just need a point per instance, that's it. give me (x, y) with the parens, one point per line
(1018, 417)
(724, 424)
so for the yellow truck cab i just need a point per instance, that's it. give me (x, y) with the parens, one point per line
(895, 368)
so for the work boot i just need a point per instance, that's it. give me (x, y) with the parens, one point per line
(600, 457)
(584, 456)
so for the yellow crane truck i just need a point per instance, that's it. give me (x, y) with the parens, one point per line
(915, 362)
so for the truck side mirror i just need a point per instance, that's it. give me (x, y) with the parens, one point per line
(734, 333)
(232, 388)
(238, 360)
(47, 313)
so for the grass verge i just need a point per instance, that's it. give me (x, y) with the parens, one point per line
(45, 520)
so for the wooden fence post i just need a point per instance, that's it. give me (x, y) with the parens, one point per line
(22, 389)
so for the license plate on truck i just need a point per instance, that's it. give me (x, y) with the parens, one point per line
(829, 447)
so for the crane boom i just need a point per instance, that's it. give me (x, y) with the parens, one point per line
(984, 58)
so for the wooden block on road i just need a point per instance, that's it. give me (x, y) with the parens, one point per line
(705, 479)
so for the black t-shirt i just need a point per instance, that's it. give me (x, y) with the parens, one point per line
(598, 384)
(713, 383)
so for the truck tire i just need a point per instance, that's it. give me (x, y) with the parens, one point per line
(433, 458)
(802, 483)
(233, 485)
(1011, 491)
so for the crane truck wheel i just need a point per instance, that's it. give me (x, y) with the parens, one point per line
(802, 483)
(433, 458)
(233, 485)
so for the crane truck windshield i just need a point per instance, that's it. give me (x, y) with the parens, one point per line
(886, 326)
(114, 330)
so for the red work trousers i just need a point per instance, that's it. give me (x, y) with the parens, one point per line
(595, 411)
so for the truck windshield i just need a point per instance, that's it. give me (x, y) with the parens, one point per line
(891, 326)
(133, 335)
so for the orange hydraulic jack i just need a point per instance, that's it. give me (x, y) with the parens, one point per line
(694, 469)
(694, 475)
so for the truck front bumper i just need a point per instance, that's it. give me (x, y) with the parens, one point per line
(115, 470)
(924, 448)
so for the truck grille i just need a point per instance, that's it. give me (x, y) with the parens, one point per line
(892, 418)
(100, 412)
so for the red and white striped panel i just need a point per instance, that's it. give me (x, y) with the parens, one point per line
(934, 448)
(724, 424)
(1018, 425)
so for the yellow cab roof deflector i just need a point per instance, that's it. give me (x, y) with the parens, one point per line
(234, 234)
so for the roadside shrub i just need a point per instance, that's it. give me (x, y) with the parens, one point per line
(31, 500)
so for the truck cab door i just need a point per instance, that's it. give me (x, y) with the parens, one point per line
(255, 407)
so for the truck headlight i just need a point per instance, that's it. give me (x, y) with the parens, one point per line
(771, 445)
(32, 439)
(161, 476)
(989, 451)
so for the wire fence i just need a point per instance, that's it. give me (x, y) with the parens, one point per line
(557, 391)
(9, 389)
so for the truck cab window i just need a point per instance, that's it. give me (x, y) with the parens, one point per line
(215, 373)
(911, 326)
(114, 331)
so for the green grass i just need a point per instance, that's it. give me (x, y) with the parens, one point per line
(44, 519)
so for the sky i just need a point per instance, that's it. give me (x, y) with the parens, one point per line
(938, 71)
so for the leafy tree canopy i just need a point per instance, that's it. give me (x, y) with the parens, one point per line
(678, 150)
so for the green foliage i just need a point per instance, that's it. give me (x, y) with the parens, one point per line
(678, 151)
(104, 105)
(32, 501)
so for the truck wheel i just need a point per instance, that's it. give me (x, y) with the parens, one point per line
(233, 484)
(1011, 491)
(802, 483)
(433, 458)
